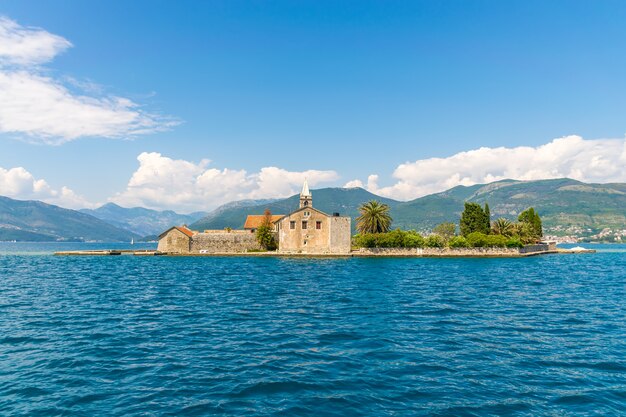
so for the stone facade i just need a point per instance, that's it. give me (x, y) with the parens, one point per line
(175, 240)
(235, 241)
(311, 231)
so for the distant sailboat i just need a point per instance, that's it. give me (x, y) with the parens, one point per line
(132, 241)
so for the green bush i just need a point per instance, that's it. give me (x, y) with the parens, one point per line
(481, 240)
(496, 241)
(367, 240)
(435, 241)
(394, 239)
(382, 240)
(458, 242)
(514, 242)
(412, 239)
(477, 240)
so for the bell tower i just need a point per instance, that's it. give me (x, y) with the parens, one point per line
(306, 199)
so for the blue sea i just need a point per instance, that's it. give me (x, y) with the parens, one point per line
(200, 336)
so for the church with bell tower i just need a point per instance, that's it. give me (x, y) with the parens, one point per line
(311, 231)
(306, 199)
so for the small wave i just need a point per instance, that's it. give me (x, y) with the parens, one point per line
(15, 340)
(277, 387)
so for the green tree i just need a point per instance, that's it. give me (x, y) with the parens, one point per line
(503, 227)
(446, 230)
(532, 219)
(374, 218)
(473, 219)
(265, 234)
(487, 218)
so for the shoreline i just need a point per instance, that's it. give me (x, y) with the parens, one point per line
(456, 253)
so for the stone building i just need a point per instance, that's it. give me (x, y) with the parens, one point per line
(309, 230)
(306, 230)
(253, 221)
(176, 239)
(181, 240)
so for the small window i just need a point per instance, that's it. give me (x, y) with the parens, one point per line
(318, 225)
(307, 213)
(292, 225)
(304, 225)
(306, 203)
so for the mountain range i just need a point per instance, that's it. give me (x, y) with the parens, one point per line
(567, 207)
(139, 220)
(35, 221)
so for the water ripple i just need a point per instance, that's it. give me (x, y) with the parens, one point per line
(126, 336)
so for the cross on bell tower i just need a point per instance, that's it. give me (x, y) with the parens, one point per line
(306, 199)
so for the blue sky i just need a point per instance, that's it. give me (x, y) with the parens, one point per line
(343, 90)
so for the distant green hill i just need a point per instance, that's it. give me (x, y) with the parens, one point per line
(139, 220)
(566, 206)
(37, 221)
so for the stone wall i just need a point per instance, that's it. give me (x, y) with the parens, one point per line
(340, 235)
(224, 242)
(541, 247)
(452, 252)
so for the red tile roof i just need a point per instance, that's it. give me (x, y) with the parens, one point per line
(185, 230)
(253, 221)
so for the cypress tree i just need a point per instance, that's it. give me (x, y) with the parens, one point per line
(473, 219)
(487, 218)
(264, 233)
(531, 218)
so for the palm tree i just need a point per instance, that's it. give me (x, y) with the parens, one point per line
(374, 218)
(526, 232)
(503, 227)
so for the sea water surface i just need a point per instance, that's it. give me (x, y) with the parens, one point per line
(191, 336)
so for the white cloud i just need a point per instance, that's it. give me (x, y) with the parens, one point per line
(372, 183)
(354, 184)
(27, 46)
(43, 109)
(599, 160)
(20, 184)
(164, 183)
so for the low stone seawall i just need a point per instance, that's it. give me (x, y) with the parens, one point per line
(454, 252)
(541, 247)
